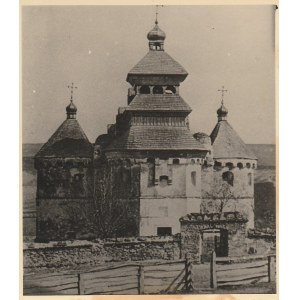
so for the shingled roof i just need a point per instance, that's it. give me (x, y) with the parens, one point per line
(69, 140)
(156, 138)
(226, 143)
(157, 62)
(143, 102)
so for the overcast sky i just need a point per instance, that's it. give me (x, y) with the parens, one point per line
(95, 47)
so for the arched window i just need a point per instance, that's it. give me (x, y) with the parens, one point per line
(248, 165)
(229, 165)
(217, 165)
(144, 89)
(192, 161)
(158, 89)
(228, 177)
(240, 165)
(253, 166)
(170, 89)
(176, 161)
(249, 178)
(194, 178)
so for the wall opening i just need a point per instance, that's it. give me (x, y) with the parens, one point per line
(151, 173)
(163, 231)
(248, 165)
(176, 161)
(228, 177)
(229, 165)
(163, 180)
(194, 178)
(240, 165)
(158, 89)
(170, 89)
(144, 89)
(249, 178)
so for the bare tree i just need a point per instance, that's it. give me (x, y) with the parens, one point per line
(112, 209)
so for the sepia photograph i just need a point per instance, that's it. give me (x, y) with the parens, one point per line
(149, 149)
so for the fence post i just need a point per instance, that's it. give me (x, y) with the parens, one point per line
(141, 280)
(271, 268)
(188, 274)
(213, 274)
(80, 284)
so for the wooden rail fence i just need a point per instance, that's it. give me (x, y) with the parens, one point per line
(231, 271)
(126, 279)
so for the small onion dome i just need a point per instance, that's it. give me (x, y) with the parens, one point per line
(156, 34)
(222, 113)
(71, 110)
(202, 137)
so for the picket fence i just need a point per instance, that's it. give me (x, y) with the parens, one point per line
(126, 279)
(242, 270)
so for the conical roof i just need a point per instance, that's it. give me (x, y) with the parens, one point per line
(226, 143)
(69, 140)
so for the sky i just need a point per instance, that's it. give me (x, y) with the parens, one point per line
(96, 46)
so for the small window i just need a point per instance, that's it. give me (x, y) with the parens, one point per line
(229, 165)
(217, 165)
(253, 166)
(163, 231)
(192, 161)
(158, 89)
(249, 178)
(176, 161)
(144, 89)
(194, 178)
(240, 165)
(248, 165)
(151, 176)
(228, 177)
(163, 180)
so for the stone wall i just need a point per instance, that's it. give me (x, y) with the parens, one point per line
(56, 256)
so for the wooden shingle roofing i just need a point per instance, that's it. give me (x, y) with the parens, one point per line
(157, 62)
(147, 102)
(69, 140)
(156, 138)
(226, 143)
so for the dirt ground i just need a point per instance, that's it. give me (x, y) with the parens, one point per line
(201, 284)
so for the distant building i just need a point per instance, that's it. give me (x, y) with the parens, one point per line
(149, 170)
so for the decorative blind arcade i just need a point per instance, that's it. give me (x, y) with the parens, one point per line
(168, 121)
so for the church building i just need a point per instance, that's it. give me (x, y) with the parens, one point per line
(149, 170)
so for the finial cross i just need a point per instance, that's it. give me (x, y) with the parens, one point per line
(156, 13)
(72, 87)
(223, 91)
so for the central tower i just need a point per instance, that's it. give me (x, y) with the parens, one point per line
(152, 141)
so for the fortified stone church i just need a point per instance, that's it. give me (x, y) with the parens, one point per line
(149, 173)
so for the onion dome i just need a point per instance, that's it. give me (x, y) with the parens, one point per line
(71, 110)
(222, 113)
(156, 34)
(156, 38)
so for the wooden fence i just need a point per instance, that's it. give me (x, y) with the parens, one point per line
(127, 279)
(231, 271)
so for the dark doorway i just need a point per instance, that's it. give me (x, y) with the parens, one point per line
(162, 231)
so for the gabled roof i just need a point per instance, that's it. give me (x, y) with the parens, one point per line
(69, 140)
(226, 143)
(158, 62)
(156, 138)
(147, 102)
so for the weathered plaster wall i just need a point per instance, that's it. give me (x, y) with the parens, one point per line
(84, 254)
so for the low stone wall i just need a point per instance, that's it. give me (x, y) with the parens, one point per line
(56, 256)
